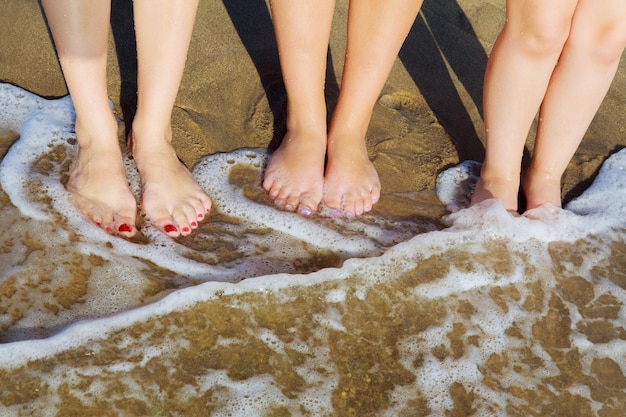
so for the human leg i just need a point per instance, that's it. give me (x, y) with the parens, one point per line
(578, 85)
(171, 198)
(517, 76)
(294, 177)
(97, 180)
(376, 31)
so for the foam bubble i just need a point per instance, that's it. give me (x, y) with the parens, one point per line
(47, 124)
(493, 290)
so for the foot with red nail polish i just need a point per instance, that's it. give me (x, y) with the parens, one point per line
(170, 228)
(97, 182)
(172, 200)
(124, 228)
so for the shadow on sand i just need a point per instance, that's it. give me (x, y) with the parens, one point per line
(441, 41)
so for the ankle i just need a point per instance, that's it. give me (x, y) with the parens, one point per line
(151, 128)
(540, 187)
(346, 144)
(142, 141)
(99, 134)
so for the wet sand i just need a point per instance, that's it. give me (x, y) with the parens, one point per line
(427, 119)
(232, 94)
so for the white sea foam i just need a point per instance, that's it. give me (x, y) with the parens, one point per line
(596, 217)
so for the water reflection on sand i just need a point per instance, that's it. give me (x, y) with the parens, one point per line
(481, 315)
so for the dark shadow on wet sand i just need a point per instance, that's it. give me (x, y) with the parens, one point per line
(253, 23)
(442, 40)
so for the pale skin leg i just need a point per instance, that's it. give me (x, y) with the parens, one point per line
(171, 198)
(97, 181)
(579, 83)
(518, 72)
(294, 177)
(376, 31)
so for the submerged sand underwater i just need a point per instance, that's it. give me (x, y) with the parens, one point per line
(409, 311)
(472, 313)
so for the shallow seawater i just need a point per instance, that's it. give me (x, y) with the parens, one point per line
(265, 313)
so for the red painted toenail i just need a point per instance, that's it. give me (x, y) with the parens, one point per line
(124, 228)
(186, 230)
(194, 224)
(200, 216)
(108, 230)
(169, 228)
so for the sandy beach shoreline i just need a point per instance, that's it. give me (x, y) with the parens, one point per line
(408, 311)
(232, 94)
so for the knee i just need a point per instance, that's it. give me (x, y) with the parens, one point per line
(545, 40)
(605, 44)
(540, 38)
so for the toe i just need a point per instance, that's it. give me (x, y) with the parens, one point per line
(307, 205)
(280, 203)
(125, 227)
(165, 222)
(205, 205)
(169, 229)
(185, 220)
(333, 201)
(268, 183)
(292, 203)
(107, 223)
(374, 195)
(359, 207)
(198, 212)
(305, 211)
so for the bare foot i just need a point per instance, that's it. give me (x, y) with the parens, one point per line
(98, 183)
(172, 200)
(541, 188)
(547, 212)
(503, 189)
(351, 184)
(294, 177)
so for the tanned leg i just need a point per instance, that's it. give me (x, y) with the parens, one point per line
(518, 72)
(171, 198)
(578, 85)
(97, 181)
(294, 177)
(376, 32)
